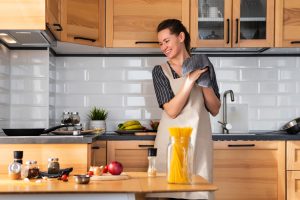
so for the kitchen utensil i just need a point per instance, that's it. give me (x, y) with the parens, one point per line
(109, 177)
(30, 131)
(292, 127)
(82, 179)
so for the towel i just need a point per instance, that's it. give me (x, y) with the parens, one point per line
(208, 78)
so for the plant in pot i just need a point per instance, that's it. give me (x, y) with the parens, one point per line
(97, 118)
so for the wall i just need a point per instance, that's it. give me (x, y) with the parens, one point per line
(4, 87)
(267, 89)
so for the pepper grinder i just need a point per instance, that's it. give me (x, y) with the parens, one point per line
(152, 159)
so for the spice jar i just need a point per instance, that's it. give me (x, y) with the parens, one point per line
(180, 156)
(75, 119)
(152, 159)
(66, 118)
(31, 169)
(15, 168)
(53, 166)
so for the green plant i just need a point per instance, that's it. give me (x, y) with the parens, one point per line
(97, 114)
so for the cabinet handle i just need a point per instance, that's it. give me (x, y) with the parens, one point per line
(295, 42)
(96, 147)
(237, 31)
(59, 27)
(146, 145)
(241, 145)
(228, 31)
(146, 42)
(83, 38)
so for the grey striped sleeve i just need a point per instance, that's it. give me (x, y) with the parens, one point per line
(162, 86)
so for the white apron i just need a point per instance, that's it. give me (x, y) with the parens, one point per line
(195, 115)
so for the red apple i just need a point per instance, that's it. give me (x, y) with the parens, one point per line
(115, 168)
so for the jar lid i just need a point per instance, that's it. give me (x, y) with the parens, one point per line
(152, 151)
(28, 162)
(53, 159)
(66, 113)
(75, 113)
(18, 154)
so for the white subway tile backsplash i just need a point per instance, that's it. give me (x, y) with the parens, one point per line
(79, 62)
(106, 75)
(105, 100)
(289, 74)
(36, 85)
(28, 113)
(291, 100)
(240, 87)
(123, 62)
(148, 101)
(36, 99)
(70, 100)
(83, 88)
(263, 125)
(153, 61)
(261, 100)
(277, 87)
(227, 75)
(29, 124)
(152, 113)
(259, 74)
(122, 88)
(238, 62)
(124, 114)
(4, 98)
(270, 62)
(5, 112)
(71, 74)
(139, 75)
(148, 88)
(277, 113)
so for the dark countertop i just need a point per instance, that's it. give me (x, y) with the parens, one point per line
(253, 135)
(48, 139)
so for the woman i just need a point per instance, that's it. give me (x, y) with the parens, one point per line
(184, 104)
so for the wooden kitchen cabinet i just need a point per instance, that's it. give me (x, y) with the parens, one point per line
(22, 15)
(293, 169)
(232, 23)
(77, 156)
(287, 23)
(98, 156)
(76, 21)
(132, 154)
(132, 23)
(249, 170)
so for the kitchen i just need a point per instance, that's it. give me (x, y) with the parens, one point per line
(38, 85)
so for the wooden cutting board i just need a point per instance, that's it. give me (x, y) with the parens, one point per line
(109, 177)
(145, 133)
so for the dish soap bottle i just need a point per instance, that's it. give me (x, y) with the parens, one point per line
(152, 159)
(15, 168)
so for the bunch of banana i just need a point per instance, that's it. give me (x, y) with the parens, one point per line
(131, 125)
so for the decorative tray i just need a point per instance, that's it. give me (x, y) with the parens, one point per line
(61, 132)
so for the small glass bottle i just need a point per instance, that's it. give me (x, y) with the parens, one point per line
(31, 169)
(180, 160)
(15, 168)
(53, 166)
(75, 119)
(152, 159)
(66, 118)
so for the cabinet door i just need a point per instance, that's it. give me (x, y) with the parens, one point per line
(249, 170)
(287, 23)
(232, 23)
(53, 11)
(293, 187)
(253, 23)
(211, 23)
(22, 15)
(98, 156)
(132, 23)
(293, 155)
(132, 154)
(83, 22)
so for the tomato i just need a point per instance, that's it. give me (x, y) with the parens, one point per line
(90, 173)
(64, 177)
(105, 170)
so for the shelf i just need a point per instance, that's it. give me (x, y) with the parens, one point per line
(252, 19)
(210, 19)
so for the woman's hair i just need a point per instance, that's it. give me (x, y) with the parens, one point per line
(176, 27)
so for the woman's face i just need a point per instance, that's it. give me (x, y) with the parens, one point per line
(170, 44)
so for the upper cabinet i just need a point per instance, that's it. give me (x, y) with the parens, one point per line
(232, 23)
(132, 23)
(287, 27)
(22, 15)
(76, 21)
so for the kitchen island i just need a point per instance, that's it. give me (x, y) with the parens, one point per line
(138, 183)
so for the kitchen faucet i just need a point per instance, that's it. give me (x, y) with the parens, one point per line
(226, 126)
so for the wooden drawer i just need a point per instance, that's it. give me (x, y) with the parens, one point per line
(293, 186)
(293, 155)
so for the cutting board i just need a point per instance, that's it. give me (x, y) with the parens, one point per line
(145, 133)
(109, 177)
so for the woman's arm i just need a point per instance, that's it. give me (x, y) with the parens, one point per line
(212, 102)
(176, 104)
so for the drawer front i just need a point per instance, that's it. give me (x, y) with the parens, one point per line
(293, 155)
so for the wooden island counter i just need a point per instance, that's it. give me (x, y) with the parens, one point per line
(137, 184)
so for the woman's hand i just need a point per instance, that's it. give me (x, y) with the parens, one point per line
(194, 75)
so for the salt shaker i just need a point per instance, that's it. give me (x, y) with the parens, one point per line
(152, 159)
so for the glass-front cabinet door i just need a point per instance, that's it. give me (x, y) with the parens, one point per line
(232, 23)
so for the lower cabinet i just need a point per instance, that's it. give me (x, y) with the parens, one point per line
(245, 170)
(293, 169)
(98, 153)
(132, 154)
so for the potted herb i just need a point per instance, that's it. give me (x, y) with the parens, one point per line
(97, 118)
